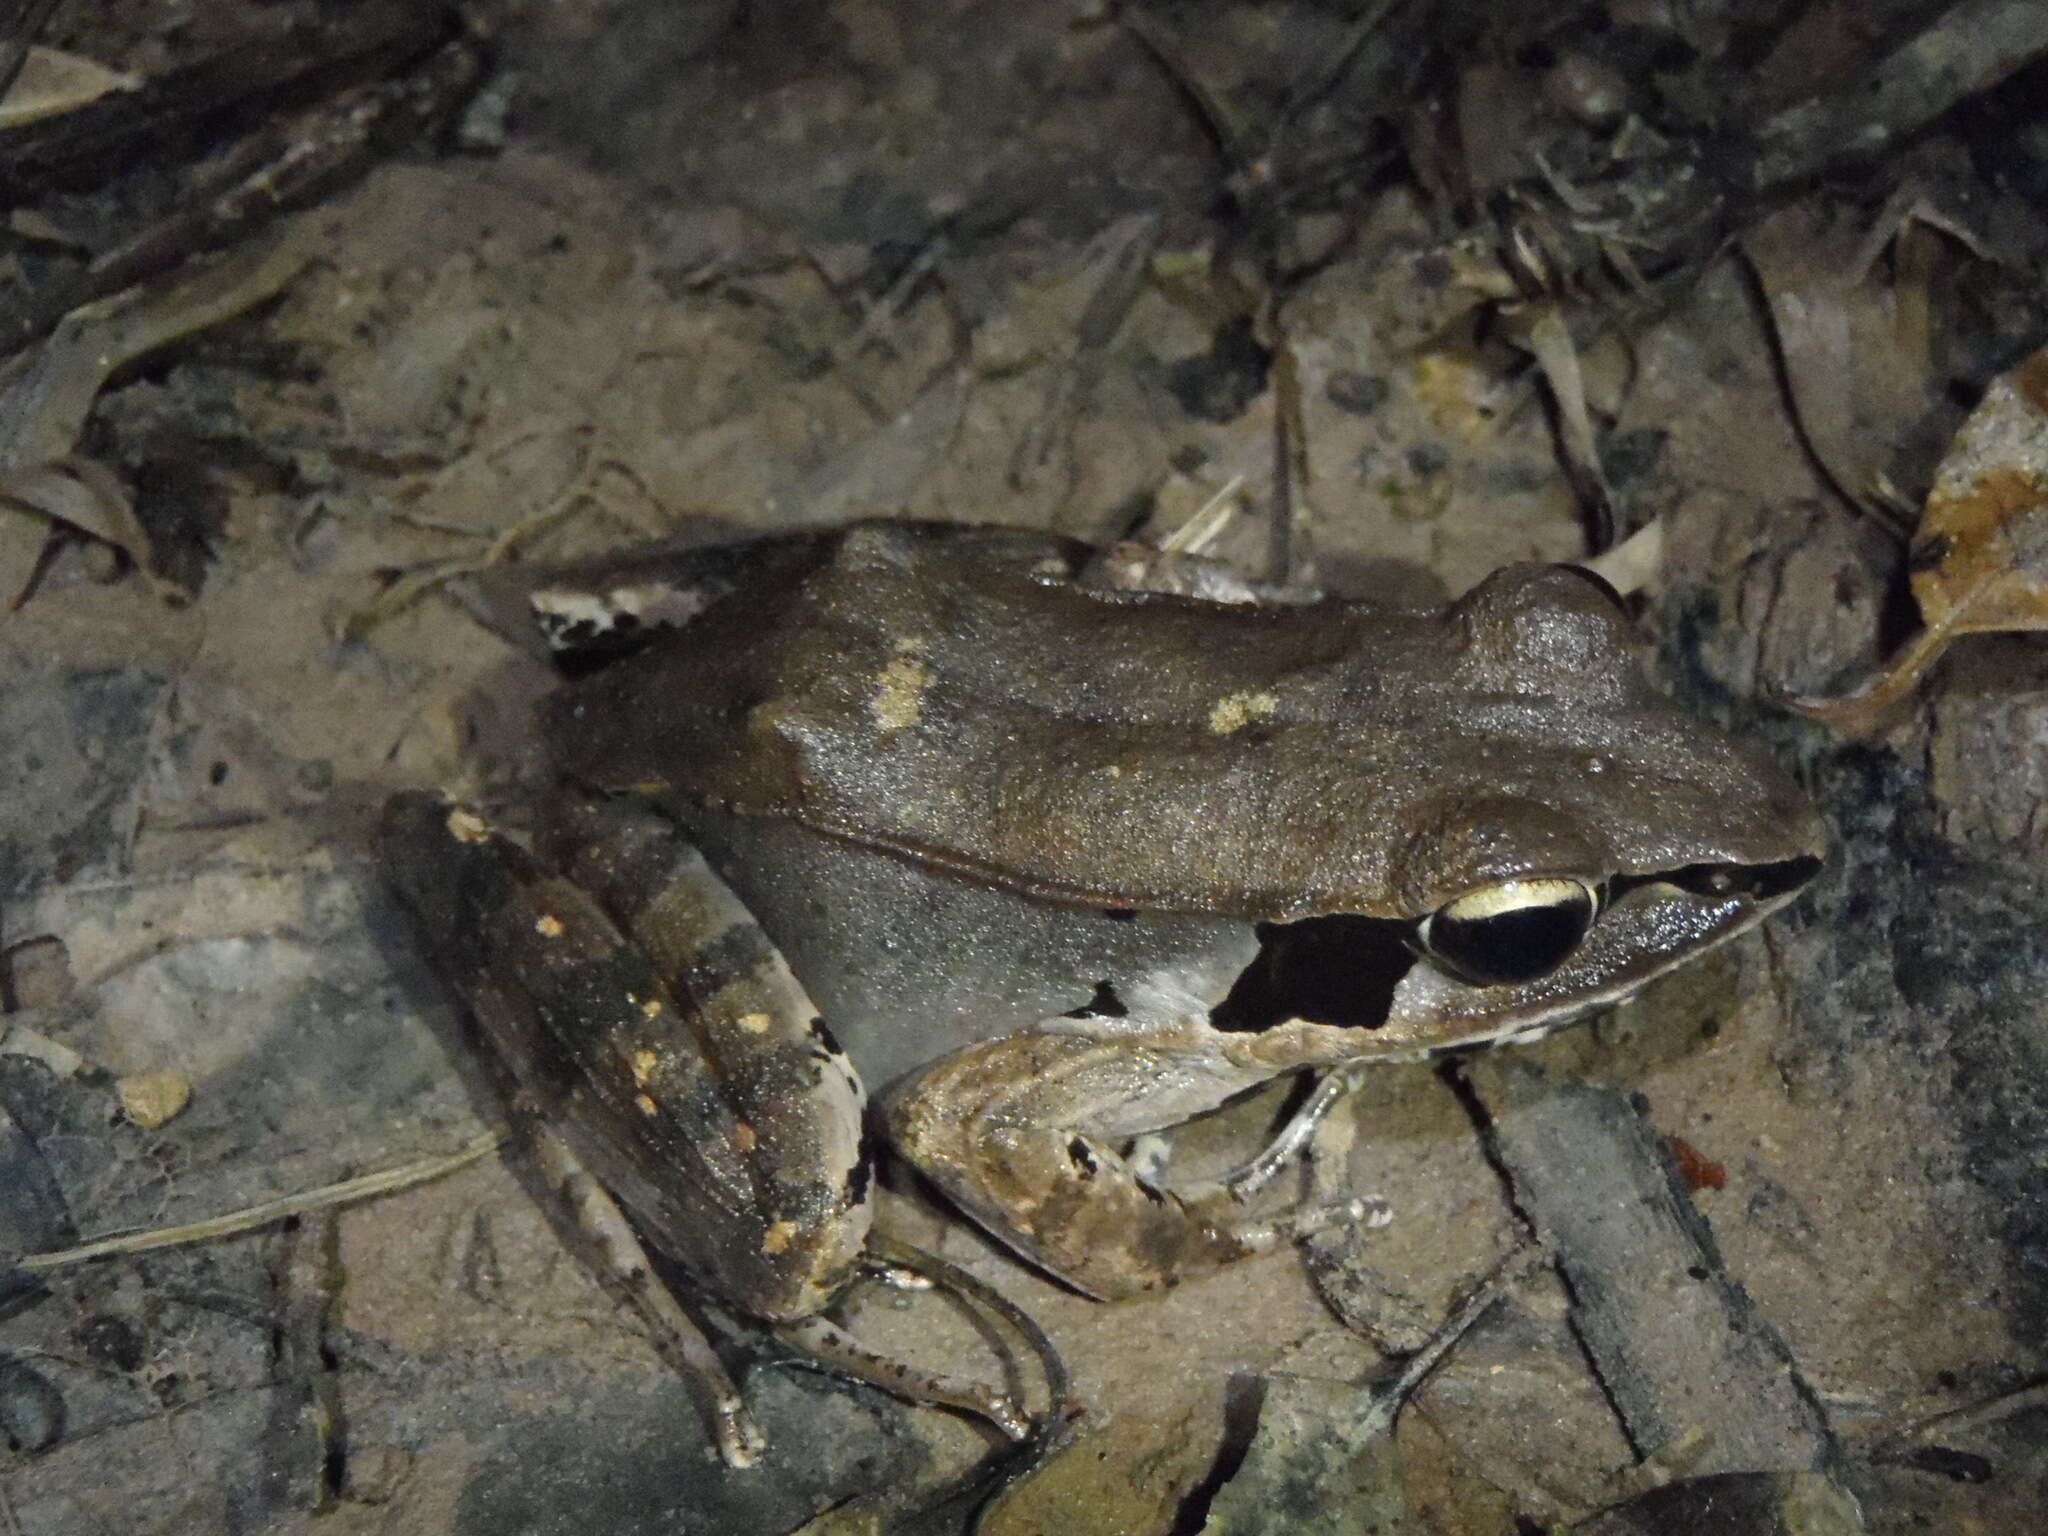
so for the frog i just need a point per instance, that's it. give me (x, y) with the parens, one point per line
(934, 837)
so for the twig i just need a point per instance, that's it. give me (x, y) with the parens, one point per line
(1381, 1404)
(249, 1218)
(366, 41)
(1340, 65)
(1973, 1415)
(1224, 126)
(1970, 49)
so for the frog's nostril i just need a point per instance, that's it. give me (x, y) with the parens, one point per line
(1757, 882)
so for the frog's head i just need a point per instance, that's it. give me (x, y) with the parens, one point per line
(1519, 915)
(1580, 836)
(1519, 936)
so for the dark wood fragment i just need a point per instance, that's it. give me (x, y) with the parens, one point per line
(285, 165)
(1679, 1348)
(301, 1433)
(1970, 49)
(296, 63)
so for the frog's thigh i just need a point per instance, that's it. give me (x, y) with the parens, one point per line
(796, 1102)
(703, 1095)
(1017, 1132)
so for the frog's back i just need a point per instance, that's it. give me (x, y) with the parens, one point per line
(956, 696)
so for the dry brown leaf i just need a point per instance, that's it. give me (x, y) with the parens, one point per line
(51, 82)
(1854, 351)
(88, 498)
(1980, 558)
(1542, 329)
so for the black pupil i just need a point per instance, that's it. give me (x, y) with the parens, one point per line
(1517, 945)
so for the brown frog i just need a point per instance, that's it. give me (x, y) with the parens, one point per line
(1049, 866)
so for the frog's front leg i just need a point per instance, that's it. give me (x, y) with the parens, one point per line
(1018, 1132)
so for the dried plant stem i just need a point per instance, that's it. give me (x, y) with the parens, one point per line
(251, 1217)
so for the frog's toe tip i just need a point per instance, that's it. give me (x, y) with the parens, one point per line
(1004, 1413)
(741, 1443)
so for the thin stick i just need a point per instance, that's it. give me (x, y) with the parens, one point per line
(254, 1216)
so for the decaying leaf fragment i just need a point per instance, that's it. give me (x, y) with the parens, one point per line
(88, 498)
(1980, 558)
(52, 81)
(47, 394)
(1854, 350)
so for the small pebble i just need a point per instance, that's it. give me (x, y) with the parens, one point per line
(1594, 93)
(31, 1408)
(153, 1099)
(40, 969)
(374, 1472)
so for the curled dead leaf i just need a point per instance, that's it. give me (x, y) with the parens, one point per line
(76, 492)
(52, 82)
(1980, 557)
(88, 499)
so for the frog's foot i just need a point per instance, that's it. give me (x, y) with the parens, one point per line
(1019, 1132)
(829, 1344)
(622, 1265)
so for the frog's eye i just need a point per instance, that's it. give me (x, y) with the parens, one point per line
(1515, 931)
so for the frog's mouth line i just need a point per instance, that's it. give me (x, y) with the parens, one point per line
(1345, 970)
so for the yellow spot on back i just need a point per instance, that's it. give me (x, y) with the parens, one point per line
(755, 1023)
(778, 1237)
(1234, 711)
(651, 1008)
(465, 826)
(647, 1105)
(644, 1063)
(549, 926)
(900, 687)
(743, 1137)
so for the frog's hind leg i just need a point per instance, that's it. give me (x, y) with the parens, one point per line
(692, 927)
(1019, 1132)
(624, 1268)
(705, 1099)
